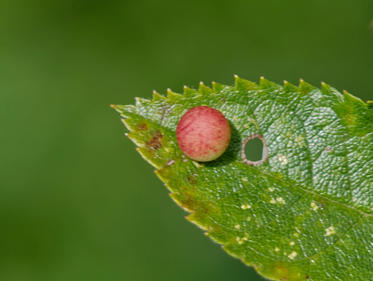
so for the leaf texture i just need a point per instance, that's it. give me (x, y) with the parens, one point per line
(306, 213)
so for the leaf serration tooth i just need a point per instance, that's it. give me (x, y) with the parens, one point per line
(304, 87)
(325, 88)
(266, 84)
(289, 87)
(147, 156)
(141, 101)
(193, 218)
(187, 91)
(178, 202)
(172, 95)
(243, 84)
(203, 89)
(125, 110)
(217, 87)
(126, 124)
(157, 96)
(135, 139)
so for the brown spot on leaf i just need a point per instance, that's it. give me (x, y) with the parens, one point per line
(188, 202)
(155, 143)
(192, 179)
(142, 127)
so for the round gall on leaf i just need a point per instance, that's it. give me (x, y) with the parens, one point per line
(203, 133)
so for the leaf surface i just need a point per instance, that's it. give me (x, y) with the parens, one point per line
(306, 213)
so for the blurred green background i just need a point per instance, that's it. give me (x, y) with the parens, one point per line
(77, 202)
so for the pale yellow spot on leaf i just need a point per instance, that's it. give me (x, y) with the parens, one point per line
(314, 206)
(280, 200)
(330, 231)
(300, 140)
(246, 206)
(292, 255)
(241, 240)
(282, 159)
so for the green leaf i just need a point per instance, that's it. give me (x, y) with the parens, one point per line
(306, 213)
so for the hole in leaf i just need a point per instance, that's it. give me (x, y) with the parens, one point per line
(254, 150)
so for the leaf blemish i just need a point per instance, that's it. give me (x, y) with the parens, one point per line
(264, 152)
(142, 127)
(292, 255)
(244, 207)
(241, 240)
(192, 179)
(330, 231)
(314, 206)
(282, 159)
(184, 159)
(155, 142)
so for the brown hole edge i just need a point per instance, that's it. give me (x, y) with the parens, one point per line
(264, 153)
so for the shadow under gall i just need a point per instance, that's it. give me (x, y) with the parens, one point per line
(233, 151)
